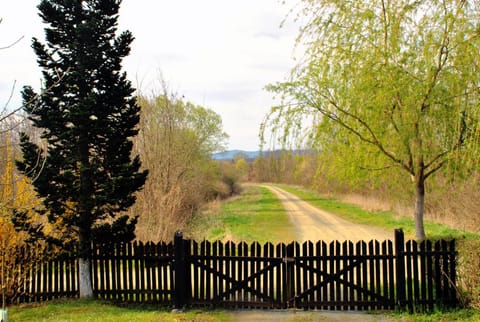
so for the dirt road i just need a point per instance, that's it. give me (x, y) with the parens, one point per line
(314, 224)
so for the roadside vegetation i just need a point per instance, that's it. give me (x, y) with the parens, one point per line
(254, 215)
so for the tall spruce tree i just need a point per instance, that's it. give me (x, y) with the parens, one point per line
(85, 175)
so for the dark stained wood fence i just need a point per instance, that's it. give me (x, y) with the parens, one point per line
(328, 276)
(28, 279)
(133, 272)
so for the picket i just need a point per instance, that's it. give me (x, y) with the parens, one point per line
(369, 275)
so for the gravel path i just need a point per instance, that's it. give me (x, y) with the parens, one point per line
(306, 316)
(314, 224)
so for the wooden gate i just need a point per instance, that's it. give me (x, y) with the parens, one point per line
(341, 276)
(236, 275)
(335, 276)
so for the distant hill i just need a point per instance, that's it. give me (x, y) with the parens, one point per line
(229, 155)
(251, 155)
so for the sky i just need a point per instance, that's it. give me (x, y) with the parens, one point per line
(219, 54)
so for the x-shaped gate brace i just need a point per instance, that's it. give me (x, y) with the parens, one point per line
(274, 262)
(329, 278)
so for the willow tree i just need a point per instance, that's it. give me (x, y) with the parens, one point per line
(401, 76)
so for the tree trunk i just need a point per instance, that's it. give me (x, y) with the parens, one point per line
(85, 282)
(419, 207)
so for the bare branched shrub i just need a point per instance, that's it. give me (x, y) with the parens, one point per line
(469, 272)
(175, 142)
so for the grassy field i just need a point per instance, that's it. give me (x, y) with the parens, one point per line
(255, 215)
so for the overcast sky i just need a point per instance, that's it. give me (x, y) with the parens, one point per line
(216, 53)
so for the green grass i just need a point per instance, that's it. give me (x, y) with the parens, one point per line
(438, 316)
(384, 219)
(95, 310)
(255, 215)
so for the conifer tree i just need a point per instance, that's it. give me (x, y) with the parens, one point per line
(85, 172)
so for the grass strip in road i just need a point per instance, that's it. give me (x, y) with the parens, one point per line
(384, 219)
(255, 215)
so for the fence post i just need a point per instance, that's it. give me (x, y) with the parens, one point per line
(400, 267)
(180, 269)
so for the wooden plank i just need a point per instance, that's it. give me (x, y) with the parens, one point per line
(95, 269)
(351, 276)
(258, 267)
(113, 272)
(385, 282)
(124, 266)
(157, 287)
(310, 280)
(450, 286)
(143, 281)
(215, 278)
(131, 272)
(318, 278)
(266, 281)
(437, 270)
(411, 277)
(391, 275)
(43, 287)
(118, 270)
(297, 277)
(244, 275)
(208, 276)
(364, 280)
(430, 299)
(229, 246)
(195, 273)
(378, 274)
(136, 272)
(147, 272)
(336, 284)
(331, 271)
(281, 281)
(423, 272)
(161, 286)
(371, 274)
(33, 278)
(234, 269)
(358, 275)
(344, 276)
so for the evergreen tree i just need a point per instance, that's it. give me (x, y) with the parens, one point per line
(85, 174)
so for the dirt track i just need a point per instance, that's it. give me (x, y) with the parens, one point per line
(314, 224)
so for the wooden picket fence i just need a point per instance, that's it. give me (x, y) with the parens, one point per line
(328, 276)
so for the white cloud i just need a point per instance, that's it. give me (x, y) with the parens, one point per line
(216, 53)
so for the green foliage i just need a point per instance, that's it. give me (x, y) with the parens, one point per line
(388, 85)
(84, 172)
